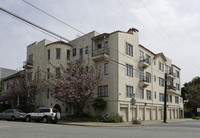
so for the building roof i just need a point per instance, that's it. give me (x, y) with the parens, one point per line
(59, 42)
(147, 49)
(160, 54)
(176, 66)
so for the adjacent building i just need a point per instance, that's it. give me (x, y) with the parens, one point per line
(4, 72)
(128, 67)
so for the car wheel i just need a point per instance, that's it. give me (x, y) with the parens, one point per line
(28, 118)
(13, 118)
(45, 119)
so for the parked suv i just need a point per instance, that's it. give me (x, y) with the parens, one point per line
(44, 114)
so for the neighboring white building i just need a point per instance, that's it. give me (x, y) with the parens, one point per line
(128, 67)
(4, 72)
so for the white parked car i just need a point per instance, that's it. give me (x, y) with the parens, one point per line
(44, 114)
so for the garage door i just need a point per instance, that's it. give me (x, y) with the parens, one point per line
(148, 114)
(154, 114)
(141, 114)
(124, 113)
(168, 114)
(160, 114)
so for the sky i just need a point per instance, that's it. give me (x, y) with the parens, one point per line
(168, 26)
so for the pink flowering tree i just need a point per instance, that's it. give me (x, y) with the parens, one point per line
(22, 90)
(75, 85)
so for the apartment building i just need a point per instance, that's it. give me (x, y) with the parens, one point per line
(128, 68)
(4, 72)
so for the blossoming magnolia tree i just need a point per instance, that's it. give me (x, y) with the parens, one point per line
(75, 84)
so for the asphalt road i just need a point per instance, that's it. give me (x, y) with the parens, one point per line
(188, 129)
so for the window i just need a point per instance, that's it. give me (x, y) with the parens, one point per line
(57, 71)
(86, 50)
(177, 87)
(161, 66)
(129, 49)
(47, 93)
(48, 53)
(177, 73)
(7, 86)
(81, 54)
(103, 91)
(154, 95)
(129, 70)
(106, 69)
(148, 77)
(141, 72)
(141, 93)
(57, 53)
(48, 71)
(176, 99)
(154, 78)
(99, 46)
(141, 55)
(30, 59)
(148, 95)
(161, 82)
(30, 76)
(68, 54)
(161, 97)
(148, 59)
(170, 98)
(129, 91)
(74, 52)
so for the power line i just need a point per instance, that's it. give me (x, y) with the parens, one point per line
(50, 32)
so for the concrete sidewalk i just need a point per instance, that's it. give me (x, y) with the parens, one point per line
(124, 124)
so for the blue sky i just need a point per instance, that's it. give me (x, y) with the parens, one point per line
(168, 26)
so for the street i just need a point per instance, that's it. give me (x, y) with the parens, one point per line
(9, 129)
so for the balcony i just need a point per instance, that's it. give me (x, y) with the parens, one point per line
(28, 64)
(171, 75)
(144, 63)
(143, 83)
(171, 89)
(100, 54)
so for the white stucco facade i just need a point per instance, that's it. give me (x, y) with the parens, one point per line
(128, 67)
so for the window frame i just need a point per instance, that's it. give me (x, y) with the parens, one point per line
(129, 91)
(58, 53)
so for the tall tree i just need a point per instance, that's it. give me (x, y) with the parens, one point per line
(23, 89)
(75, 84)
(191, 92)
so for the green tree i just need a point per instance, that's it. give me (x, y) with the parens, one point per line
(99, 104)
(191, 92)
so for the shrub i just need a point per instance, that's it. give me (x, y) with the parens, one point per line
(112, 118)
(4, 107)
(198, 117)
(137, 121)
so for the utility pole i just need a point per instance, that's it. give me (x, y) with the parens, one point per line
(165, 100)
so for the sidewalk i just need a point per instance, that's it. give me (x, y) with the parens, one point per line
(124, 124)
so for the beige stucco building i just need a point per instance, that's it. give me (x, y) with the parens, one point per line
(128, 68)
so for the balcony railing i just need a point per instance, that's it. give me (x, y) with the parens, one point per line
(171, 75)
(100, 54)
(144, 82)
(171, 88)
(144, 63)
(27, 64)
